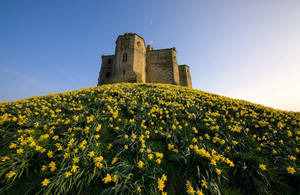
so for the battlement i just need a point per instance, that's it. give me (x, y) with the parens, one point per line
(129, 34)
(132, 62)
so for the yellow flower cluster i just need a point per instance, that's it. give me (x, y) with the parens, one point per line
(98, 161)
(110, 178)
(190, 189)
(161, 182)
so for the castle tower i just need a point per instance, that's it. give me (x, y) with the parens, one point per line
(133, 63)
(107, 69)
(130, 59)
(162, 66)
(185, 75)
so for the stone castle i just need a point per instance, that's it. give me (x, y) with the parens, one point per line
(135, 63)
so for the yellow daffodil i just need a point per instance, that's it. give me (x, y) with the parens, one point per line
(290, 170)
(45, 182)
(107, 179)
(140, 164)
(68, 174)
(218, 171)
(10, 174)
(262, 167)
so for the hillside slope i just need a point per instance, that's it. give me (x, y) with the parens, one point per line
(148, 139)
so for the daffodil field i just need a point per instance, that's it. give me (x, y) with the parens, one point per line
(146, 139)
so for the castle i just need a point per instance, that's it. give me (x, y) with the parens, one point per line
(135, 63)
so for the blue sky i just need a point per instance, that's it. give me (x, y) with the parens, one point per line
(242, 49)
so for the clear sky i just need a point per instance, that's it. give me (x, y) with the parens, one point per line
(241, 49)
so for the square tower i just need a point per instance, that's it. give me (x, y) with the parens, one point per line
(130, 59)
(185, 75)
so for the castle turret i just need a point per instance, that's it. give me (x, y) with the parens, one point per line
(185, 75)
(149, 47)
(107, 69)
(130, 58)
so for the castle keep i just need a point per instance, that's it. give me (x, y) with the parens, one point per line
(135, 63)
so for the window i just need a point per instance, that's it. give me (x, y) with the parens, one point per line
(125, 57)
(107, 74)
(123, 72)
(109, 61)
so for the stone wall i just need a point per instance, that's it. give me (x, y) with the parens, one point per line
(175, 67)
(107, 69)
(161, 66)
(124, 65)
(139, 59)
(185, 76)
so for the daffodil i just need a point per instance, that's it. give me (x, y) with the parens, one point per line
(50, 154)
(140, 164)
(45, 182)
(218, 171)
(74, 168)
(290, 170)
(139, 189)
(76, 159)
(5, 158)
(107, 179)
(92, 154)
(10, 174)
(115, 178)
(68, 174)
(262, 167)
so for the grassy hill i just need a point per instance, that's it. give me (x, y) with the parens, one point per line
(146, 139)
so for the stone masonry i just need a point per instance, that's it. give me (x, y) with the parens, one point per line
(135, 63)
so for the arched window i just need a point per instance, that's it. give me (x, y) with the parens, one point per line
(109, 61)
(125, 57)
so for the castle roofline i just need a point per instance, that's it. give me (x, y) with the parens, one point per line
(107, 55)
(173, 48)
(184, 65)
(130, 34)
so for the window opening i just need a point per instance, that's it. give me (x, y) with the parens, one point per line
(125, 57)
